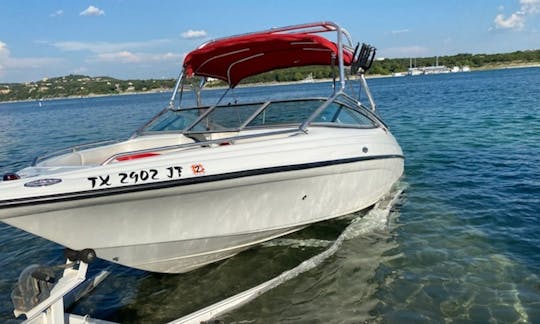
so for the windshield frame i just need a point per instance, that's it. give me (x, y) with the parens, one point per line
(194, 126)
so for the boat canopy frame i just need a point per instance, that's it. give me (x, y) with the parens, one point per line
(254, 53)
(297, 39)
(233, 58)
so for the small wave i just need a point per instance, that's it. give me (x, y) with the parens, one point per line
(377, 218)
(297, 243)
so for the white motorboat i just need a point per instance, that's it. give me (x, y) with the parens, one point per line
(200, 184)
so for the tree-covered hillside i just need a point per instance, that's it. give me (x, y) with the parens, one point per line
(474, 61)
(78, 85)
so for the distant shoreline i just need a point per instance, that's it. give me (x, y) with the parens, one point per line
(500, 66)
(262, 84)
(92, 95)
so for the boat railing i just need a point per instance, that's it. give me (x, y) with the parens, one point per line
(348, 101)
(198, 144)
(305, 124)
(370, 112)
(71, 149)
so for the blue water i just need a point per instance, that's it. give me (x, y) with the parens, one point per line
(462, 245)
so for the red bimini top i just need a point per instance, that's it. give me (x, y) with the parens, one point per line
(235, 58)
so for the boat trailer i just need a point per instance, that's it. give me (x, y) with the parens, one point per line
(42, 298)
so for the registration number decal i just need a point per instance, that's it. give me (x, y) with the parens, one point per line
(135, 177)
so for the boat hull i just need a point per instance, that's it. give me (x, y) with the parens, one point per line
(181, 227)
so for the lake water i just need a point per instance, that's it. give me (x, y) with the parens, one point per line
(461, 245)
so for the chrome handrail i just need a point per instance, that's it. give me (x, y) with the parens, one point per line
(255, 114)
(175, 90)
(368, 92)
(197, 144)
(317, 111)
(370, 113)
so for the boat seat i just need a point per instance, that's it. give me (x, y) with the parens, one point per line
(98, 155)
(74, 158)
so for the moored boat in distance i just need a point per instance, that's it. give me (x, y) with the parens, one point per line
(199, 184)
(434, 69)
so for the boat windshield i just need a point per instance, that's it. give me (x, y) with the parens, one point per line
(235, 117)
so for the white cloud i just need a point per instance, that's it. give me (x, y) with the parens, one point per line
(192, 34)
(57, 13)
(31, 62)
(8, 63)
(79, 70)
(530, 7)
(95, 47)
(130, 57)
(4, 51)
(516, 20)
(405, 51)
(107, 47)
(121, 57)
(22, 62)
(399, 31)
(168, 56)
(92, 11)
(4, 54)
(164, 57)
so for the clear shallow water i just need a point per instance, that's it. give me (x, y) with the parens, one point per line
(461, 245)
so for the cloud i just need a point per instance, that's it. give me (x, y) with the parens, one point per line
(92, 11)
(10, 63)
(4, 51)
(516, 20)
(57, 13)
(4, 55)
(193, 34)
(530, 7)
(399, 31)
(79, 70)
(121, 57)
(405, 51)
(121, 52)
(130, 57)
(31, 62)
(170, 56)
(107, 47)
(95, 47)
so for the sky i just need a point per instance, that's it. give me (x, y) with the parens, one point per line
(135, 39)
